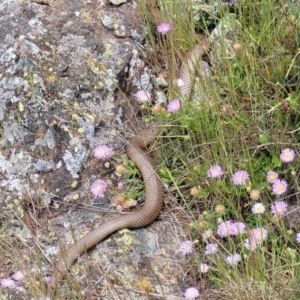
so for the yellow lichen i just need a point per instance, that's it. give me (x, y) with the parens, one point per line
(50, 78)
(68, 131)
(74, 184)
(108, 51)
(75, 197)
(21, 106)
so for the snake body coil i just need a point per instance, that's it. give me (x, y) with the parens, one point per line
(154, 188)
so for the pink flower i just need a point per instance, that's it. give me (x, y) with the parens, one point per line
(272, 176)
(173, 106)
(250, 244)
(164, 28)
(19, 276)
(215, 172)
(237, 228)
(233, 259)
(254, 194)
(224, 229)
(98, 188)
(186, 247)
(143, 96)
(287, 155)
(103, 152)
(279, 187)
(120, 185)
(7, 283)
(279, 208)
(259, 234)
(211, 248)
(298, 237)
(47, 279)
(191, 293)
(179, 82)
(258, 208)
(203, 268)
(240, 177)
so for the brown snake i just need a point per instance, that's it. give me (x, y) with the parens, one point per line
(153, 185)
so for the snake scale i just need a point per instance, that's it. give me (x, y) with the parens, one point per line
(154, 188)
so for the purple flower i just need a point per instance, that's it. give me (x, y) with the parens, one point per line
(47, 279)
(224, 229)
(254, 194)
(250, 244)
(272, 176)
(143, 96)
(259, 234)
(234, 259)
(186, 247)
(120, 185)
(279, 208)
(173, 106)
(237, 228)
(298, 237)
(164, 28)
(203, 268)
(258, 208)
(211, 248)
(19, 276)
(98, 188)
(287, 155)
(215, 172)
(103, 152)
(191, 293)
(240, 177)
(279, 187)
(7, 283)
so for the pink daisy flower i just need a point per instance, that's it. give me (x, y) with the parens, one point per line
(19, 276)
(164, 28)
(103, 152)
(279, 208)
(173, 106)
(203, 268)
(240, 177)
(259, 234)
(224, 229)
(279, 187)
(143, 96)
(98, 188)
(191, 293)
(287, 155)
(250, 244)
(211, 248)
(254, 194)
(215, 172)
(238, 228)
(258, 208)
(272, 176)
(233, 259)
(7, 283)
(186, 247)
